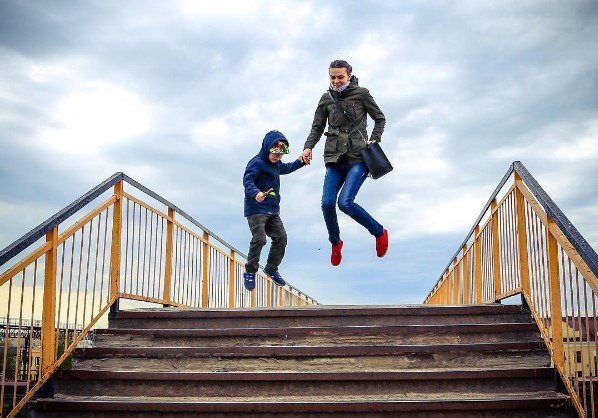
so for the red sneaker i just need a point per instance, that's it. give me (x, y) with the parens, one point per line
(336, 256)
(382, 244)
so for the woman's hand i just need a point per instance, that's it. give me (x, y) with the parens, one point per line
(306, 156)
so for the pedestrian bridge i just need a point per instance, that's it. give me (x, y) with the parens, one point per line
(122, 241)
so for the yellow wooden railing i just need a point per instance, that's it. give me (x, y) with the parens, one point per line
(523, 244)
(64, 277)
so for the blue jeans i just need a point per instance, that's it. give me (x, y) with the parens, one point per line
(346, 179)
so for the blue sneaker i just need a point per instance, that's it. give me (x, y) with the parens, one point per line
(249, 280)
(276, 277)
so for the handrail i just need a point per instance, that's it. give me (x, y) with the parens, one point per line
(577, 240)
(528, 247)
(565, 225)
(41, 230)
(497, 190)
(21, 244)
(180, 212)
(121, 248)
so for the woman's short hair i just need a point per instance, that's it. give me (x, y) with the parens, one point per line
(341, 64)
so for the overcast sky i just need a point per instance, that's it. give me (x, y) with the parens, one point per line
(179, 94)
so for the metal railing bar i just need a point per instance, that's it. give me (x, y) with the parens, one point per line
(67, 352)
(8, 274)
(482, 213)
(42, 229)
(179, 211)
(202, 227)
(159, 301)
(579, 243)
(572, 234)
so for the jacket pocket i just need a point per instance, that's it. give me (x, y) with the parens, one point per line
(335, 116)
(355, 109)
(358, 144)
(330, 145)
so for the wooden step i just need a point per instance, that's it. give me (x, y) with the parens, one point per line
(319, 316)
(312, 358)
(348, 335)
(403, 384)
(400, 361)
(540, 405)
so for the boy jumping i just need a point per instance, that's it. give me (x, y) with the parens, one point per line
(262, 206)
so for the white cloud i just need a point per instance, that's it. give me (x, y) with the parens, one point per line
(213, 132)
(48, 72)
(250, 11)
(222, 8)
(584, 147)
(414, 216)
(95, 114)
(24, 216)
(561, 143)
(421, 155)
(466, 88)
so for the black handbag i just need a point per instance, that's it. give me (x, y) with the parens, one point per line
(373, 155)
(375, 160)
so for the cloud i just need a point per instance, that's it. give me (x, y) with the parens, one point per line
(95, 114)
(179, 96)
(581, 144)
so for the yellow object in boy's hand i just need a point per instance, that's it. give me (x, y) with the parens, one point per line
(261, 196)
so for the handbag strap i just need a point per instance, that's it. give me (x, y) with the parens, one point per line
(354, 123)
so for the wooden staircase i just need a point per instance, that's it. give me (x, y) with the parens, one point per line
(389, 361)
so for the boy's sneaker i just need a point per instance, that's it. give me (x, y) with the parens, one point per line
(249, 280)
(336, 256)
(382, 244)
(276, 277)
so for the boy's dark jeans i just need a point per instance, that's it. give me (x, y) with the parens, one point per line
(262, 225)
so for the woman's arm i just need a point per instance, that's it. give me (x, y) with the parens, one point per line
(376, 114)
(318, 125)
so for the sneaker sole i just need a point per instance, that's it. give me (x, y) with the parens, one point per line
(276, 282)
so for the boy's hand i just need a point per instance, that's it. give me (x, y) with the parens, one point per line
(306, 156)
(262, 195)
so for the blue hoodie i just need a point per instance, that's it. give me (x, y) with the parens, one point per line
(261, 174)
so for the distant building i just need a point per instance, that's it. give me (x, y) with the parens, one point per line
(23, 347)
(579, 345)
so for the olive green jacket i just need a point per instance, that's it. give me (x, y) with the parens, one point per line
(341, 138)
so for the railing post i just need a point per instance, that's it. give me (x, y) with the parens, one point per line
(455, 281)
(522, 237)
(555, 296)
(444, 288)
(205, 284)
(232, 280)
(478, 265)
(49, 304)
(168, 257)
(465, 275)
(269, 295)
(435, 296)
(495, 251)
(115, 252)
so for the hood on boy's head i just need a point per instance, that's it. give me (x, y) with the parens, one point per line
(269, 140)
